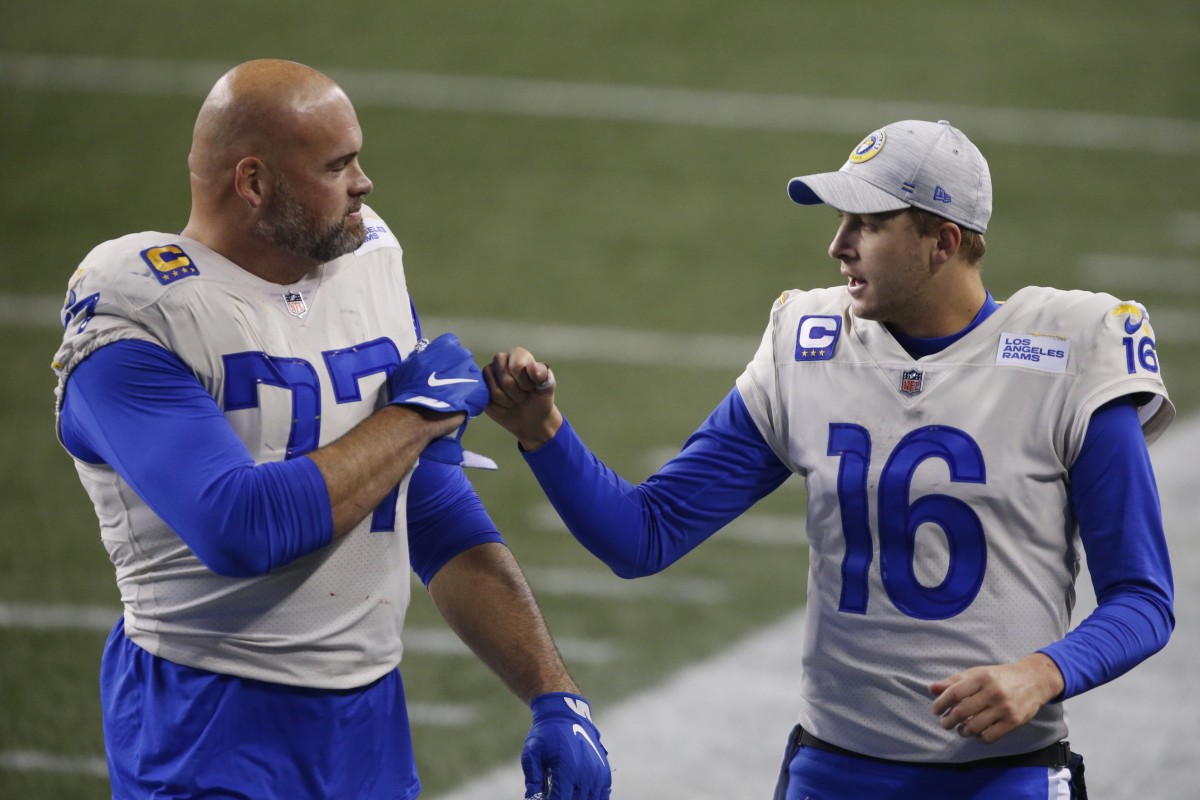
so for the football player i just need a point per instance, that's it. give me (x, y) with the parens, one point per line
(270, 445)
(960, 456)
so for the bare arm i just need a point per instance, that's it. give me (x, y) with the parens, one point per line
(365, 464)
(484, 597)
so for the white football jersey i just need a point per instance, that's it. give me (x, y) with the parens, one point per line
(940, 530)
(293, 368)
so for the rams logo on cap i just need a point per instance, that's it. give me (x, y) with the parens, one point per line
(868, 147)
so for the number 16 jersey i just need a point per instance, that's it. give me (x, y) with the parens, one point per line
(939, 514)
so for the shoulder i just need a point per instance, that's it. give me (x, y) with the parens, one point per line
(1075, 308)
(1097, 321)
(133, 271)
(796, 303)
(1109, 346)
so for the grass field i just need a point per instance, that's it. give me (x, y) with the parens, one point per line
(531, 184)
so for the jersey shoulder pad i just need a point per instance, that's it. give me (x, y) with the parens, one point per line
(815, 301)
(1096, 315)
(134, 271)
(108, 294)
(795, 304)
(1112, 348)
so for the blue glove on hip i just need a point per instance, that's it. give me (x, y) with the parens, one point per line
(563, 758)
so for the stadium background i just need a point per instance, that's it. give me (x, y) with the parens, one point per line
(603, 182)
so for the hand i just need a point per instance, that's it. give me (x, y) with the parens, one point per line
(991, 702)
(563, 758)
(441, 376)
(522, 397)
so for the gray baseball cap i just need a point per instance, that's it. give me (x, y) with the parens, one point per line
(930, 165)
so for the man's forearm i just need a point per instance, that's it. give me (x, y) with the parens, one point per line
(484, 597)
(361, 467)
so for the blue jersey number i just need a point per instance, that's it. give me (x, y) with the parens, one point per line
(346, 367)
(1142, 354)
(900, 517)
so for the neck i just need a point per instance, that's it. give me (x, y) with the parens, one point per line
(949, 317)
(251, 253)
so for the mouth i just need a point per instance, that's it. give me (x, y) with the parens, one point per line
(854, 285)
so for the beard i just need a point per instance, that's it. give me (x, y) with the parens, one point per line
(288, 224)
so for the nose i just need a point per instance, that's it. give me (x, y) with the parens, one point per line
(361, 185)
(840, 248)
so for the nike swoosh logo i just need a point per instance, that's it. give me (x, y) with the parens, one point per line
(434, 380)
(1133, 325)
(579, 731)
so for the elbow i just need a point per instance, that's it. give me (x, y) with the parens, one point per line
(251, 521)
(232, 561)
(632, 556)
(228, 530)
(630, 565)
(1168, 624)
(630, 570)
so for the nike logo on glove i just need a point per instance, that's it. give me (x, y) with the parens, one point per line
(579, 731)
(434, 380)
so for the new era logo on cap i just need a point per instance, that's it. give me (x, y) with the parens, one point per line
(927, 165)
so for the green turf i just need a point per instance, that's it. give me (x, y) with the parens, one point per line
(630, 224)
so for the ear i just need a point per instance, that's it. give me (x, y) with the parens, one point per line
(945, 246)
(250, 179)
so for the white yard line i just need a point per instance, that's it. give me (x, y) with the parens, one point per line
(1117, 271)
(423, 641)
(601, 584)
(37, 616)
(33, 761)
(1185, 225)
(662, 105)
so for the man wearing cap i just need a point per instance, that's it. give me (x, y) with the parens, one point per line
(960, 455)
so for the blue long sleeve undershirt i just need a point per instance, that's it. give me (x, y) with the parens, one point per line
(137, 407)
(726, 467)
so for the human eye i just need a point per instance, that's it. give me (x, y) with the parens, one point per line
(870, 223)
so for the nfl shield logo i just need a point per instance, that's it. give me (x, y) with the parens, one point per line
(295, 304)
(910, 381)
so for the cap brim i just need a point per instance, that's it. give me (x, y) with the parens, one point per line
(844, 192)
